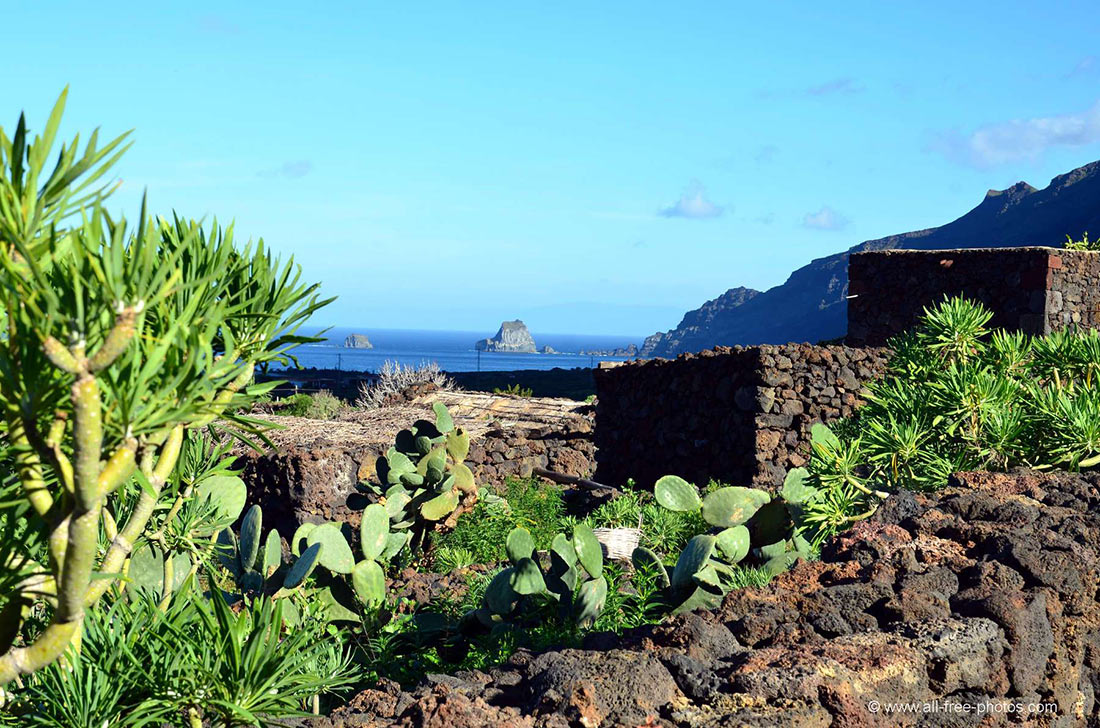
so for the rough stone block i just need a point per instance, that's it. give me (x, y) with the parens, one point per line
(778, 392)
(1030, 289)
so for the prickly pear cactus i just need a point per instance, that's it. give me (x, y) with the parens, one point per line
(259, 569)
(704, 571)
(777, 523)
(724, 508)
(424, 482)
(784, 542)
(573, 579)
(368, 577)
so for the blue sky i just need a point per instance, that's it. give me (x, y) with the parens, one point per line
(589, 167)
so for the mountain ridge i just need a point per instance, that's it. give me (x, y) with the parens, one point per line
(811, 304)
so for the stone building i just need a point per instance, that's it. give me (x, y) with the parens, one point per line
(1034, 290)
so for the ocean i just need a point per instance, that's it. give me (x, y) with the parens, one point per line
(453, 351)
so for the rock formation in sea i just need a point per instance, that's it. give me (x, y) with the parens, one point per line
(549, 350)
(630, 350)
(358, 341)
(513, 337)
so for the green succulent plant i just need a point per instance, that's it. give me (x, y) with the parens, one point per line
(704, 570)
(177, 548)
(781, 527)
(256, 563)
(377, 545)
(423, 478)
(572, 578)
(119, 336)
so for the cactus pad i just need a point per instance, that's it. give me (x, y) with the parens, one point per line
(676, 494)
(589, 551)
(374, 529)
(227, 493)
(336, 555)
(303, 567)
(734, 543)
(500, 597)
(519, 545)
(591, 598)
(443, 420)
(251, 526)
(692, 559)
(273, 553)
(369, 582)
(440, 507)
(796, 488)
(527, 577)
(732, 506)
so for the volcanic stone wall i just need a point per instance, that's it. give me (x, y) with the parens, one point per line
(1033, 290)
(739, 415)
(1073, 292)
(319, 481)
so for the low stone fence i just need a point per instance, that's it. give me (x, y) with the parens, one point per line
(741, 415)
(314, 471)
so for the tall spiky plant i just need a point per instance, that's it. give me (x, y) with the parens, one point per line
(115, 339)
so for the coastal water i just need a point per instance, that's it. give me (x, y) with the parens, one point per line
(453, 351)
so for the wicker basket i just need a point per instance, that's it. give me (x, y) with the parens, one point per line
(618, 543)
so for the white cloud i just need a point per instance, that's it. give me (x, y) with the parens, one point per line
(825, 219)
(766, 153)
(836, 86)
(1009, 141)
(218, 25)
(293, 170)
(1085, 67)
(693, 204)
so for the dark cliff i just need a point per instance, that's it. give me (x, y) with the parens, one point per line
(811, 305)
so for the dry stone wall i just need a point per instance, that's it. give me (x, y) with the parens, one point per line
(1033, 290)
(740, 414)
(1073, 295)
(313, 474)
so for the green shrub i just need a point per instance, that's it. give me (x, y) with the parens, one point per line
(958, 396)
(1083, 244)
(119, 337)
(514, 390)
(323, 405)
(196, 660)
(527, 503)
(296, 405)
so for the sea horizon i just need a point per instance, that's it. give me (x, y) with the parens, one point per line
(453, 351)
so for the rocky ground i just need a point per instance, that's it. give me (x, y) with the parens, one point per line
(982, 597)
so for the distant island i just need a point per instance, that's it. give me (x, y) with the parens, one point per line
(513, 338)
(631, 350)
(358, 341)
